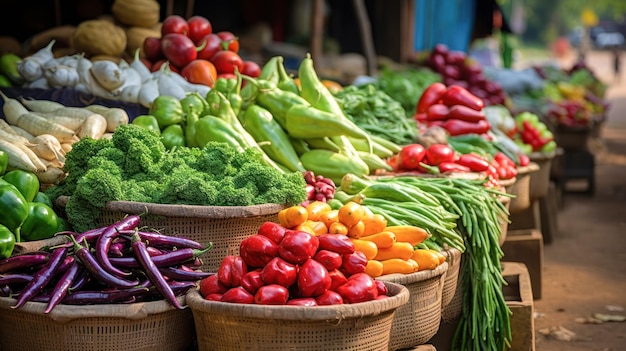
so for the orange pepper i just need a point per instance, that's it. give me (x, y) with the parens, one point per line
(374, 223)
(408, 233)
(350, 213)
(292, 216)
(356, 231)
(426, 258)
(383, 240)
(398, 265)
(316, 209)
(399, 249)
(374, 268)
(329, 217)
(338, 228)
(367, 247)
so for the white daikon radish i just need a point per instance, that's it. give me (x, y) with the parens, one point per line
(52, 175)
(40, 105)
(36, 125)
(72, 112)
(31, 67)
(61, 76)
(88, 84)
(17, 157)
(12, 109)
(140, 67)
(67, 122)
(114, 116)
(93, 127)
(22, 132)
(108, 74)
(49, 148)
(149, 91)
(12, 137)
(6, 127)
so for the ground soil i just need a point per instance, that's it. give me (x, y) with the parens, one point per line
(584, 269)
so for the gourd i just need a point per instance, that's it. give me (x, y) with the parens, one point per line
(136, 13)
(135, 37)
(99, 37)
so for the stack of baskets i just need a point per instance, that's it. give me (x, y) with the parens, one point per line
(520, 187)
(361, 326)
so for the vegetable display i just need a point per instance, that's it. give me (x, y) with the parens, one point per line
(70, 273)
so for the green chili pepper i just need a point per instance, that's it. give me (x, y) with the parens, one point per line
(193, 103)
(277, 101)
(148, 122)
(211, 128)
(13, 207)
(26, 182)
(272, 138)
(307, 122)
(4, 162)
(286, 82)
(41, 222)
(7, 242)
(173, 136)
(333, 165)
(167, 110)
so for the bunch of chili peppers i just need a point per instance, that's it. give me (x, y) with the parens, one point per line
(118, 263)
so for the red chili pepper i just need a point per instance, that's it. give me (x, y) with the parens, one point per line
(329, 297)
(465, 113)
(446, 167)
(313, 279)
(298, 246)
(502, 159)
(257, 250)
(354, 263)
(279, 271)
(231, 270)
(431, 95)
(237, 295)
(329, 259)
(474, 162)
(437, 112)
(252, 281)
(459, 127)
(273, 230)
(338, 243)
(457, 95)
(359, 288)
(272, 294)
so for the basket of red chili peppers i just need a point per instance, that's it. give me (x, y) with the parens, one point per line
(116, 287)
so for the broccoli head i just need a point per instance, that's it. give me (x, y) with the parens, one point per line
(231, 196)
(128, 135)
(180, 156)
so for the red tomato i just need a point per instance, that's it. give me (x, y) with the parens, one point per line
(231, 40)
(151, 48)
(226, 61)
(200, 71)
(438, 153)
(212, 46)
(174, 24)
(411, 155)
(251, 68)
(199, 27)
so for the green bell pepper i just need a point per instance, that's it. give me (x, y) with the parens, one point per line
(13, 206)
(193, 103)
(43, 198)
(168, 110)
(26, 182)
(147, 122)
(4, 162)
(7, 242)
(173, 136)
(41, 223)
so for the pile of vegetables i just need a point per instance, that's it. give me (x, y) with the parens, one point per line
(119, 263)
(280, 266)
(318, 188)
(134, 165)
(9, 76)
(27, 213)
(406, 85)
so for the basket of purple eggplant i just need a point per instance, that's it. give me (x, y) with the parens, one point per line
(110, 288)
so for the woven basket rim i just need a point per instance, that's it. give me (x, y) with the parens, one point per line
(542, 156)
(415, 277)
(66, 313)
(399, 296)
(179, 210)
(530, 168)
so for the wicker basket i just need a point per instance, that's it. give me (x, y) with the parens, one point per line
(450, 308)
(224, 226)
(145, 326)
(540, 180)
(520, 187)
(231, 326)
(418, 321)
(504, 223)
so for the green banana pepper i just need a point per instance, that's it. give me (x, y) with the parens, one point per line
(26, 182)
(173, 136)
(7, 242)
(307, 122)
(148, 122)
(333, 165)
(231, 88)
(4, 162)
(41, 223)
(168, 110)
(194, 103)
(285, 81)
(277, 101)
(269, 72)
(272, 138)
(13, 206)
(211, 128)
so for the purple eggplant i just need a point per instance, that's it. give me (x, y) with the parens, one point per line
(161, 240)
(183, 274)
(106, 239)
(103, 297)
(61, 288)
(15, 278)
(171, 258)
(27, 260)
(93, 266)
(42, 277)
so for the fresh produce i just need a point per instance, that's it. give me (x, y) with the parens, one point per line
(135, 166)
(8, 69)
(406, 86)
(72, 274)
(139, 13)
(292, 269)
(99, 37)
(318, 188)
(531, 131)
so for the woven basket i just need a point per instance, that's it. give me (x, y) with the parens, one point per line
(145, 326)
(520, 187)
(418, 321)
(224, 226)
(540, 180)
(504, 223)
(449, 306)
(224, 326)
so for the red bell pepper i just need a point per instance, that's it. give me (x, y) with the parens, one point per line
(437, 112)
(382, 288)
(353, 263)
(337, 278)
(211, 285)
(237, 295)
(457, 95)
(465, 113)
(214, 297)
(431, 95)
(313, 279)
(252, 281)
(272, 294)
(359, 288)
(231, 270)
(298, 246)
(329, 259)
(257, 250)
(329, 297)
(411, 155)
(272, 230)
(303, 301)
(279, 271)
(338, 243)
(459, 127)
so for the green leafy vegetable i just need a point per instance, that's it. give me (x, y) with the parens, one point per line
(406, 86)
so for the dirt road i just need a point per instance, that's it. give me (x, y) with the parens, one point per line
(584, 269)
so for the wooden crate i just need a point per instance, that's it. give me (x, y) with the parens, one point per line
(519, 298)
(526, 246)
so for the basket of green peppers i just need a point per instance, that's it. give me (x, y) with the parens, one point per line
(27, 213)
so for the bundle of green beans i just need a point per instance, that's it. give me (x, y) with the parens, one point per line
(485, 320)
